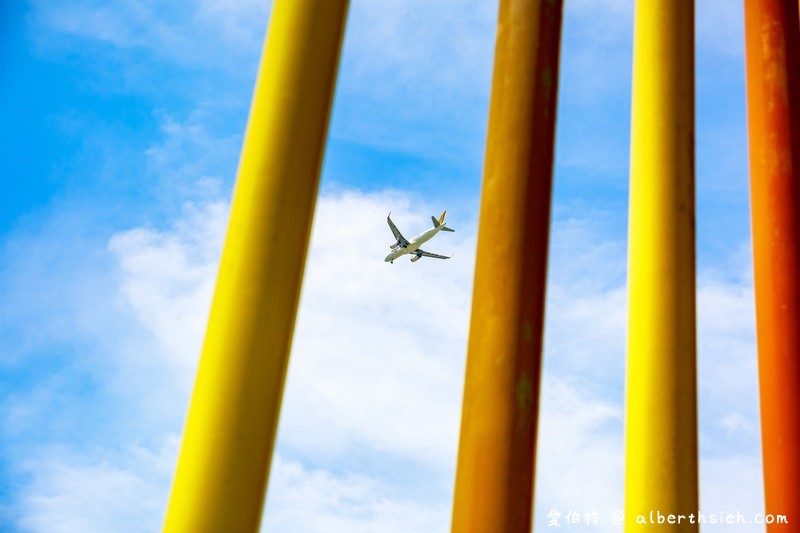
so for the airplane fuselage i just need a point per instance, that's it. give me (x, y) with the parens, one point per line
(413, 244)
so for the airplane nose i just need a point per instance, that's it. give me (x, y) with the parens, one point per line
(388, 258)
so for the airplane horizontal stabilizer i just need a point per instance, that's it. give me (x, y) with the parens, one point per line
(447, 229)
(436, 223)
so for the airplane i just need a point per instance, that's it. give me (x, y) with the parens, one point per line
(404, 246)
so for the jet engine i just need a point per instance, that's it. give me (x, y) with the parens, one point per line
(395, 245)
(415, 258)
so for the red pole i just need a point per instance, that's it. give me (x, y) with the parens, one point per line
(772, 36)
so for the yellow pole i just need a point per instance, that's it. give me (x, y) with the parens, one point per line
(222, 472)
(661, 422)
(495, 473)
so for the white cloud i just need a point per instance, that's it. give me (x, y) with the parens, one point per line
(414, 78)
(168, 278)
(425, 46)
(192, 158)
(580, 455)
(369, 429)
(124, 491)
(732, 484)
(405, 65)
(378, 351)
(203, 32)
(727, 369)
(587, 299)
(735, 422)
(318, 501)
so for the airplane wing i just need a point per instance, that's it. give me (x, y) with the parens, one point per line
(397, 235)
(428, 254)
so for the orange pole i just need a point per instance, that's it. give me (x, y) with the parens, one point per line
(495, 472)
(772, 41)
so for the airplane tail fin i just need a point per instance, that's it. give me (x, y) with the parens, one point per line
(437, 223)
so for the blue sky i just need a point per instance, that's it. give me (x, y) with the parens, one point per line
(121, 133)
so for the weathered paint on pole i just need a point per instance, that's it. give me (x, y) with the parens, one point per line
(661, 408)
(495, 472)
(772, 40)
(224, 462)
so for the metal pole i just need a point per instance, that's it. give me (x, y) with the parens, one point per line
(661, 407)
(772, 42)
(222, 472)
(495, 474)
